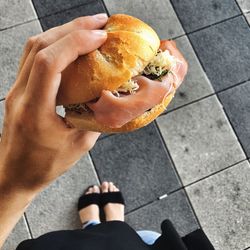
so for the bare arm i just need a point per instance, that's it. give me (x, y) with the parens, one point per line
(12, 206)
(36, 145)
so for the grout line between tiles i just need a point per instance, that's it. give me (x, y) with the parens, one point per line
(184, 189)
(204, 97)
(197, 54)
(244, 14)
(215, 173)
(141, 206)
(211, 25)
(176, 171)
(19, 24)
(97, 174)
(28, 225)
(152, 201)
(235, 132)
(57, 12)
(35, 9)
(203, 67)
(105, 7)
(190, 103)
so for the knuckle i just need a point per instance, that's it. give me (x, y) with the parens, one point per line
(40, 43)
(82, 22)
(9, 99)
(44, 60)
(31, 41)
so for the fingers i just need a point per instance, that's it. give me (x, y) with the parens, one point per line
(48, 64)
(173, 50)
(182, 66)
(47, 38)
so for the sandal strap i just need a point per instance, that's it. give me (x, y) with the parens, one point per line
(88, 199)
(112, 197)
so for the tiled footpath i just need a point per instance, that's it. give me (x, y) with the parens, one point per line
(196, 154)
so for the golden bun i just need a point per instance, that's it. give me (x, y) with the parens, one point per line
(130, 46)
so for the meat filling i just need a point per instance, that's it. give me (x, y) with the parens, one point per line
(161, 65)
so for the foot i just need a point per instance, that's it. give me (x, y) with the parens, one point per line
(113, 211)
(90, 212)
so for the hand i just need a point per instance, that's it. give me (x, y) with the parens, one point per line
(174, 79)
(37, 145)
(180, 71)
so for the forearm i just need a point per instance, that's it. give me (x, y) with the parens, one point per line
(12, 205)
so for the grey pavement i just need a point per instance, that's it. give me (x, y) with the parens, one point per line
(56, 207)
(204, 139)
(224, 199)
(195, 155)
(12, 41)
(195, 78)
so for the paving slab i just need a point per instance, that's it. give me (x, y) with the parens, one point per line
(200, 139)
(244, 5)
(19, 234)
(159, 14)
(15, 12)
(222, 205)
(48, 7)
(237, 106)
(12, 42)
(248, 17)
(224, 51)
(65, 16)
(175, 207)
(196, 84)
(138, 163)
(56, 207)
(196, 14)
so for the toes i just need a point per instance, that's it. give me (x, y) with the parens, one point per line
(89, 191)
(116, 189)
(111, 187)
(96, 189)
(105, 187)
(108, 187)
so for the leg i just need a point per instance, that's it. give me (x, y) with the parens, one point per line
(89, 215)
(149, 237)
(113, 211)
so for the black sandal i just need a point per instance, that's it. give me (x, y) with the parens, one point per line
(112, 197)
(89, 199)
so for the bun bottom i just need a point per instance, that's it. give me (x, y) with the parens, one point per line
(87, 121)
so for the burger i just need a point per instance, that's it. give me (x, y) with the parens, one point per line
(106, 90)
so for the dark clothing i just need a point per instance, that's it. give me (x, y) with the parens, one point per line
(116, 235)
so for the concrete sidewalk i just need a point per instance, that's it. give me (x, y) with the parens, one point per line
(197, 152)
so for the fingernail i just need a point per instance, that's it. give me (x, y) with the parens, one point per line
(100, 33)
(101, 16)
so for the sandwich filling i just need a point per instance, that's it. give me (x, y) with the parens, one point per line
(161, 65)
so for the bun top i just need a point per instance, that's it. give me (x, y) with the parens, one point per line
(130, 46)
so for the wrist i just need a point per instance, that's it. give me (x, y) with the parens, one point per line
(9, 190)
(10, 187)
